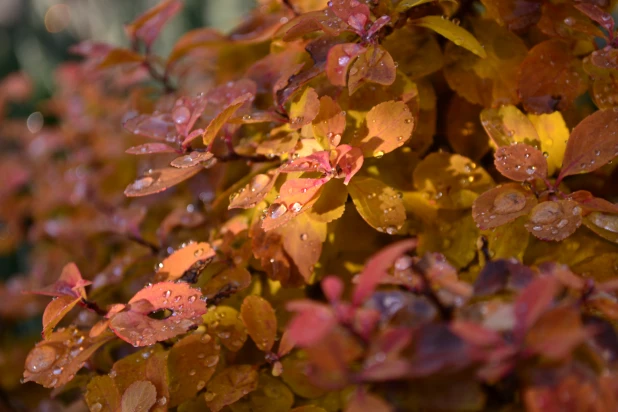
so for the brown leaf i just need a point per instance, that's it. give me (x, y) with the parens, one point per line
(551, 78)
(374, 66)
(259, 186)
(259, 319)
(55, 311)
(230, 385)
(521, 162)
(329, 124)
(302, 241)
(389, 125)
(158, 180)
(501, 205)
(304, 108)
(139, 397)
(338, 60)
(554, 220)
(593, 143)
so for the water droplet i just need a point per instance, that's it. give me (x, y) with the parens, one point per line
(162, 401)
(509, 202)
(211, 361)
(167, 294)
(192, 372)
(57, 371)
(201, 385)
(41, 358)
(378, 154)
(276, 210)
(191, 299)
(209, 396)
(198, 252)
(142, 183)
(530, 170)
(259, 182)
(296, 207)
(562, 223)
(181, 115)
(96, 407)
(569, 21)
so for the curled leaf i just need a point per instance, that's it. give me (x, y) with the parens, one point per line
(259, 319)
(501, 205)
(521, 162)
(554, 220)
(134, 325)
(55, 311)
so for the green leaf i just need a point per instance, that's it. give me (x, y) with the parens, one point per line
(453, 32)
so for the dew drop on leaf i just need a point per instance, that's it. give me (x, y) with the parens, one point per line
(181, 115)
(276, 210)
(41, 358)
(142, 183)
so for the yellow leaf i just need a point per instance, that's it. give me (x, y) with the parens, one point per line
(553, 133)
(453, 32)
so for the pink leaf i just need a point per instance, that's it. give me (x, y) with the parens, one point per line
(311, 323)
(296, 193)
(377, 267)
(350, 160)
(333, 288)
(158, 180)
(133, 324)
(156, 126)
(315, 162)
(339, 59)
(346, 9)
(70, 283)
(535, 299)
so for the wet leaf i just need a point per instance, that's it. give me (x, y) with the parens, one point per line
(192, 159)
(271, 395)
(259, 319)
(55, 361)
(331, 203)
(378, 204)
(158, 180)
(55, 311)
(139, 397)
(551, 78)
(147, 26)
(501, 205)
(302, 241)
(133, 325)
(553, 134)
(70, 283)
(516, 15)
(597, 14)
(150, 148)
(259, 186)
(159, 126)
(295, 193)
(230, 385)
(224, 323)
(339, 59)
(102, 394)
(227, 282)
(593, 143)
(221, 118)
(304, 108)
(458, 35)
(451, 181)
(349, 160)
(191, 363)
(521, 162)
(389, 125)
(184, 259)
(373, 66)
(329, 124)
(507, 125)
(554, 220)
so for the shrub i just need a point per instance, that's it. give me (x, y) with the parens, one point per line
(355, 205)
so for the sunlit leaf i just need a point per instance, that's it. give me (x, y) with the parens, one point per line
(375, 65)
(184, 259)
(507, 125)
(259, 319)
(389, 125)
(458, 35)
(501, 205)
(553, 134)
(378, 204)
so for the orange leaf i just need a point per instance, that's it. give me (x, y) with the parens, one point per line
(259, 319)
(521, 162)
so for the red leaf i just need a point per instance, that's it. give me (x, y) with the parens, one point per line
(532, 302)
(521, 162)
(312, 322)
(139, 397)
(338, 60)
(191, 159)
(297, 192)
(501, 205)
(389, 125)
(133, 324)
(377, 267)
(147, 26)
(350, 160)
(604, 19)
(593, 204)
(150, 148)
(259, 186)
(349, 9)
(374, 66)
(315, 162)
(184, 259)
(554, 220)
(592, 143)
(221, 118)
(556, 333)
(55, 311)
(186, 111)
(259, 318)
(333, 288)
(70, 283)
(158, 180)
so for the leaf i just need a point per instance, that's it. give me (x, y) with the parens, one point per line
(348, 10)
(492, 81)
(70, 283)
(279, 214)
(554, 220)
(55, 361)
(377, 267)
(553, 134)
(389, 125)
(134, 326)
(591, 203)
(550, 77)
(532, 302)
(464, 130)
(417, 52)
(516, 15)
(331, 203)
(451, 181)
(501, 205)
(600, 16)
(349, 160)
(155, 126)
(458, 35)
(224, 322)
(119, 57)
(313, 321)
(362, 401)
(329, 124)
(227, 282)
(373, 66)
(191, 363)
(102, 394)
(158, 180)
(556, 333)
(520, 162)
(339, 59)
(55, 311)
(259, 319)
(319, 20)
(315, 162)
(304, 108)
(271, 395)
(184, 259)
(378, 204)
(147, 26)
(302, 241)
(295, 193)
(593, 143)
(230, 385)
(150, 148)
(508, 125)
(201, 38)
(222, 117)
(139, 397)
(259, 186)
(191, 159)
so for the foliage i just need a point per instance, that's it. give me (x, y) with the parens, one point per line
(346, 205)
